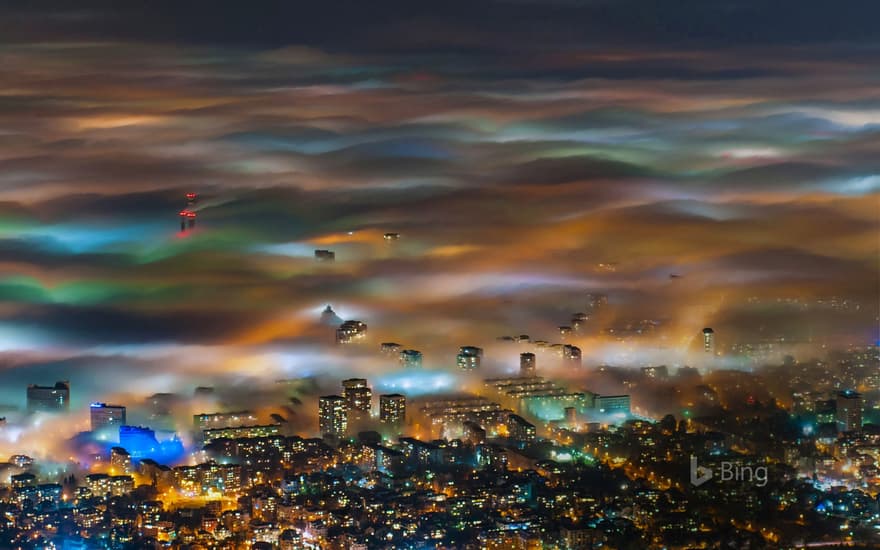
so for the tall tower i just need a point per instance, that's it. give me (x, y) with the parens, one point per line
(849, 411)
(187, 219)
(469, 357)
(709, 340)
(332, 419)
(358, 398)
(527, 365)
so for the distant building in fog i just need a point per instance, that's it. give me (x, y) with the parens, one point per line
(411, 358)
(527, 365)
(210, 421)
(325, 255)
(709, 340)
(571, 355)
(469, 357)
(660, 372)
(390, 348)
(578, 320)
(103, 415)
(596, 300)
(329, 317)
(49, 398)
(351, 331)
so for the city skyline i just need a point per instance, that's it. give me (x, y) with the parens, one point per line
(460, 230)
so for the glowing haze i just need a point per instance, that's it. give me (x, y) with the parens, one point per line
(695, 182)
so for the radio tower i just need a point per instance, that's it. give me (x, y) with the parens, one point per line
(187, 215)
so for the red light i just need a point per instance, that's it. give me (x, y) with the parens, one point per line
(191, 196)
(187, 214)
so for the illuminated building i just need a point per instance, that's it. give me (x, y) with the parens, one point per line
(849, 411)
(390, 348)
(358, 398)
(613, 404)
(120, 460)
(290, 539)
(157, 474)
(392, 408)
(538, 396)
(141, 442)
(411, 359)
(564, 331)
(20, 481)
(209, 421)
(50, 492)
(21, 461)
(469, 357)
(101, 485)
(492, 457)
(659, 372)
(527, 365)
(120, 485)
(230, 477)
(351, 331)
(138, 440)
(48, 398)
(332, 418)
(325, 255)
(239, 432)
(421, 452)
(473, 433)
(391, 236)
(98, 484)
(826, 411)
(519, 429)
(103, 415)
(578, 320)
(440, 412)
(576, 536)
(571, 355)
(709, 340)
(596, 301)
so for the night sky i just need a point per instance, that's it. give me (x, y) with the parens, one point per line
(519, 147)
